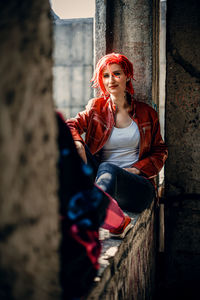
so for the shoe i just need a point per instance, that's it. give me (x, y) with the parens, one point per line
(103, 234)
(121, 231)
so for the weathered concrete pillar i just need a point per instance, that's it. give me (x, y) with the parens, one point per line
(183, 139)
(29, 239)
(126, 27)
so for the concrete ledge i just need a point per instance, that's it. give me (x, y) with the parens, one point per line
(128, 266)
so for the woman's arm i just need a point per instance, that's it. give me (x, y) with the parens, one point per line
(152, 162)
(81, 150)
(133, 170)
(78, 126)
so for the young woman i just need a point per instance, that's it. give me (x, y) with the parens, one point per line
(122, 134)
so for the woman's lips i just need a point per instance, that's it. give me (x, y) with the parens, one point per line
(112, 86)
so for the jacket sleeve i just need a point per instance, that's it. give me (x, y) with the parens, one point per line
(79, 124)
(152, 162)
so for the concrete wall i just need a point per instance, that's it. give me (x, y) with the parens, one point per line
(73, 64)
(126, 27)
(183, 139)
(29, 239)
(128, 266)
(162, 65)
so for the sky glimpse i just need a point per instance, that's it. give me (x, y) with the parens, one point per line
(69, 9)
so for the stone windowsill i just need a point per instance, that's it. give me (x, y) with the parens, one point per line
(116, 251)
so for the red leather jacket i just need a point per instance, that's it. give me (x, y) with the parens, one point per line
(97, 120)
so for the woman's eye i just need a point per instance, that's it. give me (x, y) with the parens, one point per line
(105, 76)
(117, 74)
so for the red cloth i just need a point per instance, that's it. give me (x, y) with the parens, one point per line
(97, 120)
(114, 215)
(89, 240)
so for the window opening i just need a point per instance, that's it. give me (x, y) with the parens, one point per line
(72, 54)
(68, 9)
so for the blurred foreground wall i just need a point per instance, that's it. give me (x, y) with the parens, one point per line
(29, 239)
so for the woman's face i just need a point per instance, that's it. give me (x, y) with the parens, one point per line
(114, 79)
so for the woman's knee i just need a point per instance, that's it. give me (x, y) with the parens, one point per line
(106, 178)
(106, 172)
(106, 167)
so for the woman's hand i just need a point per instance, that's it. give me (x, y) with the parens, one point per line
(133, 170)
(81, 150)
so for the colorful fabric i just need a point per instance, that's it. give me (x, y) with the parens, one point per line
(114, 215)
(82, 210)
(90, 241)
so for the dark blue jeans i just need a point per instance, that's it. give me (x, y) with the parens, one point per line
(132, 192)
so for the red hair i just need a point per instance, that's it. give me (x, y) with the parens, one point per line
(113, 58)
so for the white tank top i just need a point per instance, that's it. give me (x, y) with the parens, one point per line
(122, 148)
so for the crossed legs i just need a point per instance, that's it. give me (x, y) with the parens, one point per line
(132, 192)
